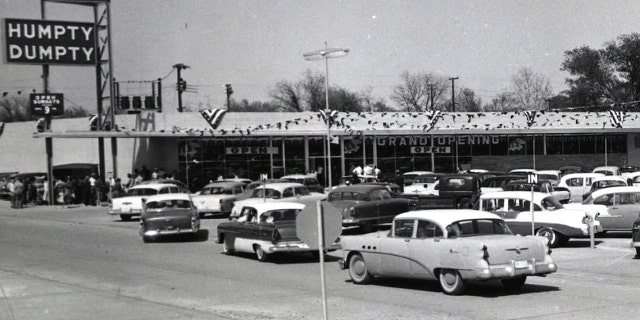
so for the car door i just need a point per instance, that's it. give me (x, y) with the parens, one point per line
(424, 249)
(577, 188)
(623, 210)
(395, 251)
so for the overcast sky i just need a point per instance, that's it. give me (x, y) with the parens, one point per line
(252, 44)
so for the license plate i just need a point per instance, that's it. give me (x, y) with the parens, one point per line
(520, 264)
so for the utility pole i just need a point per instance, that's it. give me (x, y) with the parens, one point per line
(180, 83)
(453, 93)
(229, 93)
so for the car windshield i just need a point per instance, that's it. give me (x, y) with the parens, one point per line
(608, 183)
(216, 190)
(551, 203)
(142, 192)
(477, 227)
(428, 179)
(547, 176)
(169, 204)
(279, 215)
(266, 193)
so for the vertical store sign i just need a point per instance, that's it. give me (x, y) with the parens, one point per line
(49, 42)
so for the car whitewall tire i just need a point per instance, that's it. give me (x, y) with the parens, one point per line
(358, 270)
(451, 282)
(260, 254)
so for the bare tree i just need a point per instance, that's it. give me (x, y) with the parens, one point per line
(288, 95)
(467, 100)
(530, 90)
(419, 91)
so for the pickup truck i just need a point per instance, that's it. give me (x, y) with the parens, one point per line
(456, 191)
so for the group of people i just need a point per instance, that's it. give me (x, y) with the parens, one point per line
(358, 172)
(92, 190)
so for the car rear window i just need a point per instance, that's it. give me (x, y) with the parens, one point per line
(142, 192)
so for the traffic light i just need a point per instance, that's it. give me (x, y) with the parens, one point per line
(229, 89)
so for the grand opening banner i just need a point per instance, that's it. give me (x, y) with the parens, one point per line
(50, 42)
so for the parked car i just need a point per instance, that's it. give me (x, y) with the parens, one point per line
(217, 198)
(407, 177)
(522, 172)
(552, 176)
(565, 170)
(455, 191)
(497, 183)
(635, 236)
(367, 205)
(424, 184)
(623, 206)
(264, 228)
(309, 181)
(633, 179)
(183, 187)
(551, 219)
(277, 191)
(132, 203)
(578, 184)
(607, 170)
(606, 182)
(452, 246)
(166, 214)
(560, 193)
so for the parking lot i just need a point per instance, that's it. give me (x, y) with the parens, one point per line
(78, 263)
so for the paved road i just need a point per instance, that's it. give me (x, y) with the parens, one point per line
(79, 263)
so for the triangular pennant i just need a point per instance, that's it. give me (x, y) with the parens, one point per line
(616, 118)
(328, 116)
(531, 117)
(213, 117)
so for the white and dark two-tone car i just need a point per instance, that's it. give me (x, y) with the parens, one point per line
(131, 204)
(453, 246)
(217, 198)
(167, 214)
(551, 218)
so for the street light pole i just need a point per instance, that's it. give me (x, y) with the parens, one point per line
(325, 54)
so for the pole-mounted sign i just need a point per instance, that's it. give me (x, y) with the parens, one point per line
(46, 104)
(50, 42)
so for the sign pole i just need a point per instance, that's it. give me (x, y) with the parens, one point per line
(321, 255)
(532, 178)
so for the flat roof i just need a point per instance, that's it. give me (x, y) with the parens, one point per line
(249, 124)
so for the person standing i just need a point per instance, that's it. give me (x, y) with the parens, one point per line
(19, 192)
(11, 186)
(376, 172)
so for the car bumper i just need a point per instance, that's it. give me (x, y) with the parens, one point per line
(510, 270)
(158, 232)
(132, 212)
(292, 246)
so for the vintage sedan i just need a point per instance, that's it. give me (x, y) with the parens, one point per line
(217, 198)
(551, 219)
(132, 203)
(622, 206)
(578, 184)
(308, 180)
(277, 191)
(264, 228)
(424, 184)
(166, 214)
(453, 246)
(367, 205)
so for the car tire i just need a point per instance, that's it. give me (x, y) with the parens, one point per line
(201, 215)
(451, 282)
(125, 217)
(553, 237)
(260, 254)
(638, 252)
(146, 239)
(358, 270)
(226, 247)
(513, 284)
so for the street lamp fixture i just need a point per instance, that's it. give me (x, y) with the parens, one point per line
(326, 54)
